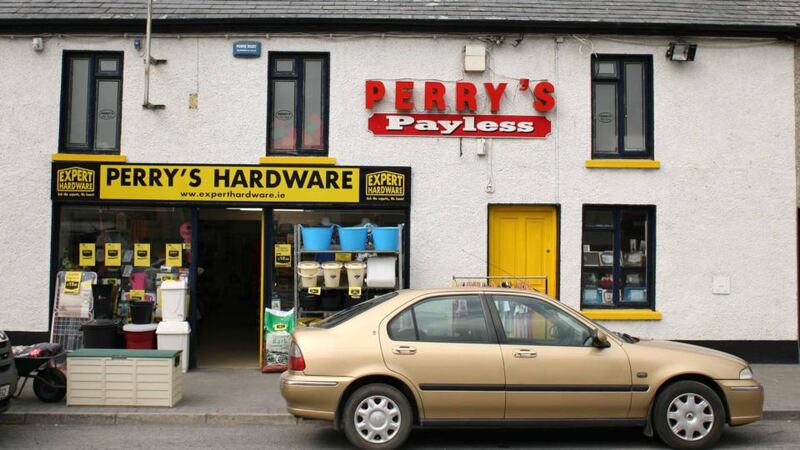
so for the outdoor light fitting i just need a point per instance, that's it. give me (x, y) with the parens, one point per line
(679, 51)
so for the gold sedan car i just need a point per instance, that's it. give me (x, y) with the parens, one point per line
(489, 357)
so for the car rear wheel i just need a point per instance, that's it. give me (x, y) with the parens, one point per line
(688, 415)
(377, 416)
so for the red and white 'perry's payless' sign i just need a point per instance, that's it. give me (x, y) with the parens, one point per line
(406, 123)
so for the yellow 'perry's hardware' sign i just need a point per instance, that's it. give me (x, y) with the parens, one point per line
(141, 255)
(229, 183)
(86, 257)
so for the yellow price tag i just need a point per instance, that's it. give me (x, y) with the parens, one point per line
(72, 282)
(141, 255)
(355, 291)
(174, 254)
(344, 257)
(87, 257)
(315, 290)
(113, 254)
(137, 295)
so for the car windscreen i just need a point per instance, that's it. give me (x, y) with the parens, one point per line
(347, 314)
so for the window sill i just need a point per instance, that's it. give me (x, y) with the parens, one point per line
(622, 164)
(89, 157)
(621, 314)
(298, 160)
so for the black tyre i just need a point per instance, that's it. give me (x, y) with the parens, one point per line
(377, 416)
(50, 385)
(688, 415)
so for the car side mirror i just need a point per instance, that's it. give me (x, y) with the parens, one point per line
(600, 339)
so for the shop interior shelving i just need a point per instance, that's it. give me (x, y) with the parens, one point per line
(366, 291)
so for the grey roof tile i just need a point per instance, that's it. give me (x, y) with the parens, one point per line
(763, 13)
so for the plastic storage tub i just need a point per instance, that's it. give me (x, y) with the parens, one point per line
(308, 270)
(173, 301)
(141, 312)
(114, 377)
(332, 272)
(355, 273)
(316, 238)
(353, 238)
(100, 333)
(385, 238)
(140, 336)
(175, 336)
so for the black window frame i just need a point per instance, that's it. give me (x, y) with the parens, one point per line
(298, 76)
(617, 270)
(619, 80)
(491, 331)
(91, 113)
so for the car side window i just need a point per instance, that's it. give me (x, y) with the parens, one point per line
(531, 321)
(402, 328)
(456, 318)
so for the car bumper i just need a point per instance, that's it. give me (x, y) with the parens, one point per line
(312, 397)
(745, 400)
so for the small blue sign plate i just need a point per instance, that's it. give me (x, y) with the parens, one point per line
(247, 49)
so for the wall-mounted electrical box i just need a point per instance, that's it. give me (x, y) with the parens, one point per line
(474, 58)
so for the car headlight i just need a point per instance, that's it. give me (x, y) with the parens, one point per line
(746, 374)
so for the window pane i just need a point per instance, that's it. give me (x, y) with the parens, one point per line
(451, 319)
(531, 321)
(109, 65)
(312, 105)
(633, 229)
(598, 218)
(598, 267)
(634, 107)
(107, 118)
(78, 101)
(401, 328)
(606, 68)
(283, 115)
(604, 115)
(284, 65)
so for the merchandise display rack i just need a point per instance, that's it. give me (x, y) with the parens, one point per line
(366, 291)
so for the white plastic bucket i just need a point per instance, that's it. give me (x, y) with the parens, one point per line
(175, 336)
(173, 301)
(332, 271)
(308, 273)
(355, 273)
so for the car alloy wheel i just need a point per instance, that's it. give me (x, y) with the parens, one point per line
(377, 419)
(690, 417)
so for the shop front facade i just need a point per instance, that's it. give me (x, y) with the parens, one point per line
(657, 196)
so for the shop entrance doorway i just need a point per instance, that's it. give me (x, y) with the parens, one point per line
(228, 287)
(523, 241)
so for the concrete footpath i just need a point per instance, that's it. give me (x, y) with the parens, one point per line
(246, 396)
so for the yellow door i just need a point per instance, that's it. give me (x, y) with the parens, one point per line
(522, 242)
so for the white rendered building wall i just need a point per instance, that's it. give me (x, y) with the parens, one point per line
(724, 134)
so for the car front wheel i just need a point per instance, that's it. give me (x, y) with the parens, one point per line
(377, 416)
(688, 415)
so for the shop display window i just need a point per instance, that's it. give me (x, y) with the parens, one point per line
(617, 258)
(298, 104)
(135, 248)
(91, 102)
(622, 106)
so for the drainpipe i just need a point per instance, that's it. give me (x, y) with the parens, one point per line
(148, 60)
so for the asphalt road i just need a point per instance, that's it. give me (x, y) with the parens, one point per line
(317, 435)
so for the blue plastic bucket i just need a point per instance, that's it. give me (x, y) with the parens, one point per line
(316, 238)
(385, 238)
(353, 238)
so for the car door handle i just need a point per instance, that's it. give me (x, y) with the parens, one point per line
(404, 350)
(524, 353)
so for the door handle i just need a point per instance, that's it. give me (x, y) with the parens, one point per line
(404, 350)
(524, 353)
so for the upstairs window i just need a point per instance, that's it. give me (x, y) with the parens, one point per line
(298, 104)
(91, 102)
(622, 106)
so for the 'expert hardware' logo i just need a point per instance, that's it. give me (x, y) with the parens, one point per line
(386, 185)
(75, 182)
